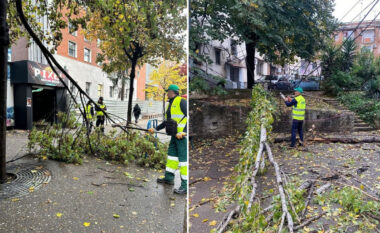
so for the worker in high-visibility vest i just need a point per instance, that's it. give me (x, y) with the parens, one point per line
(298, 114)
(176, 126)
(99, 114)
(89, 116)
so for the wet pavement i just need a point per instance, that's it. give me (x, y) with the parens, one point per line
(93, 193)
(108, 197)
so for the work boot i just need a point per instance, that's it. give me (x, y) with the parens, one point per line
(168, 179)
(300, 143)
(165, 181)
(180, 190)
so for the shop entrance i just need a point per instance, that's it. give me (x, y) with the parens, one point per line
(43, 102)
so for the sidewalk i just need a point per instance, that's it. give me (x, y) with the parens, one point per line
(92, 192)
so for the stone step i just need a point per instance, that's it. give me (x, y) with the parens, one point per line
(369, 128)
(361, 124)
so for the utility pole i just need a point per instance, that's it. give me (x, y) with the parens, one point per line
(4, 43)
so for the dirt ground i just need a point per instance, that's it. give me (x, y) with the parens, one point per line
(213, 160)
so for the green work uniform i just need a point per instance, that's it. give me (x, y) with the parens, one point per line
(177, 152)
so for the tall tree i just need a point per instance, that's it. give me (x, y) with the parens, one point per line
(160, 79)
(11, 30)
(136, 32)
(279, 29)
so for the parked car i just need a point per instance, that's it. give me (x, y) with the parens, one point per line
(310, 84)
(282, 85)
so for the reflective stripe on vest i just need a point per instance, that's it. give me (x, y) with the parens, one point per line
(298, 112)
(88, 112)
(100, 113)
(176, 114)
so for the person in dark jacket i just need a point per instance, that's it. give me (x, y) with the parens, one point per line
(176, 115)
(136, 112)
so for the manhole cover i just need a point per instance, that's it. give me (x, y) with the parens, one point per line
(28, 179)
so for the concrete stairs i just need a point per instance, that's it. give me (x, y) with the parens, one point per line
(359, 124)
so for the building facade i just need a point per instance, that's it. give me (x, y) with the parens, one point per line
(369, 35)
(78, 56)
(228, 63)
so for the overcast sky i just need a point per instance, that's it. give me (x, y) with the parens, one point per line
(343, 6)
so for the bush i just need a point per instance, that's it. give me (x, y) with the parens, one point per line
(339, 82)
(367, 108)
(70, 144)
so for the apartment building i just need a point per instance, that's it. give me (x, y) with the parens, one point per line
(369, 35)
(38, 93)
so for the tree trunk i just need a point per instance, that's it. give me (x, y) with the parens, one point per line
(4, 43)
(163, 106)
(131, 80)
(250, 48)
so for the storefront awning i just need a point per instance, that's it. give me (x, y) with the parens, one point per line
(28, 72)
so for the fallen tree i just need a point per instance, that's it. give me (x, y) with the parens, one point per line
(345, 139)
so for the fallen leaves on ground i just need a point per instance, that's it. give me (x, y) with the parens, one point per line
(86, 224)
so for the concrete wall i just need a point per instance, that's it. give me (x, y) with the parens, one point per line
(323, 121)
(209, 119)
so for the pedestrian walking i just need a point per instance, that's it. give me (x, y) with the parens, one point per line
(136, 112)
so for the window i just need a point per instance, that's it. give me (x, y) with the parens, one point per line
(72, 49)
(111, 91)
(87, 55)
(336, 37)
(100, 90)
(260, 67)
(72, 30)
(233, 47)
(217, 56)
(98, 42)
(98, 62)
(368, 36)
(88, 86)
(234, 74)
(348, 34)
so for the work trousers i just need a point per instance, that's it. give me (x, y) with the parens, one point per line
(296, 127)
(177, 159)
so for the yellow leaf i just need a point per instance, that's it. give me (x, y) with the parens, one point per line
(325, 208)
(172, 204)
(207, 179)
(15, 199)
(86, 224)
(44, 157)
(31, 189)
(59, 215)
(75, 178)
(378, 177)
(121, 16)
(195, 215)
(33, 171)
(116, 216)
(361, 187)
(205, 220)
(212, 223)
